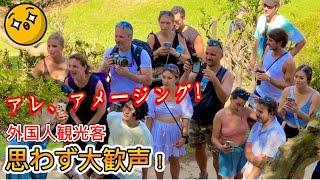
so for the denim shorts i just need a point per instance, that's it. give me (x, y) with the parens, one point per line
(231, 163)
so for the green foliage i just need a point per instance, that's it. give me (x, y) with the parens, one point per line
(17, 83)
(4, 59)
(94, 52)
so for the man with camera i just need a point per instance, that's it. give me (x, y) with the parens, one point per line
(277, 69)
(120, 62)
(216, 85)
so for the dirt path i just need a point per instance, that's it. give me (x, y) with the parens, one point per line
(189, 170)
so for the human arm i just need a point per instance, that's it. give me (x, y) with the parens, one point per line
(315, 104)
(199, 47)
(223, 89)
(187, 76)
(282, 102)
(217, 124)
(288, 69)
(38, 69)
(161, 51)
(151, 110)
(187, 112)
(296, 49)
(101, 109)
(185, 55)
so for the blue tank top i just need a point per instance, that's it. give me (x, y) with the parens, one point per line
(304, 108)
(275, 72)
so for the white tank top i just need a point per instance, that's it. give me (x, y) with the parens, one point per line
(275, 72)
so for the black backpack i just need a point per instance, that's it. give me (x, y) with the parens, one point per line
(136, 51)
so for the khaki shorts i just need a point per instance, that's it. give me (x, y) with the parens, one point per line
(201, 135)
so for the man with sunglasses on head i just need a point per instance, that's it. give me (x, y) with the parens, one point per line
(121, 64)
(269, 21)
(216, 85)
(265, 138)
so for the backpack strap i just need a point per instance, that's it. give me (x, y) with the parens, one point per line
(70, 81)
(114, 50)
(137, 50)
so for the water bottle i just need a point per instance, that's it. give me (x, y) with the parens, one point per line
(251, 101)
(203, 83)
(180, 49)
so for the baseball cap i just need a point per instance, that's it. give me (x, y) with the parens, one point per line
(271, 2)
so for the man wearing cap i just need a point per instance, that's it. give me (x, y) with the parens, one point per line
(271, 20)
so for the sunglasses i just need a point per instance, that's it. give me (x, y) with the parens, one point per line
(214, 42)
(269, 7)
(125, 25)
(172, 67)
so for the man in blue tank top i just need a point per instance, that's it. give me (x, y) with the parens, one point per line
(277, 69)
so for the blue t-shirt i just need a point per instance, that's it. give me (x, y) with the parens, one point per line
(121, 84)
(294, 34)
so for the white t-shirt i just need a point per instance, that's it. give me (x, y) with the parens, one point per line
(294, 35)
(123, 135)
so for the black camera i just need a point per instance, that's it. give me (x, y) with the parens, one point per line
(120, 60)
(259, 71)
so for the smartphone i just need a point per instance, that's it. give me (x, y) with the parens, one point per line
(167, 45)
(290, 99)
(62, 106)
(196, 67)
(229, 143)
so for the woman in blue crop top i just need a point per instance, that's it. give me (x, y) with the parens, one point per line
(298, 102)
(167, 135)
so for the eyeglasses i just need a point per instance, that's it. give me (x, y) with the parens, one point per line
(172, 67)
(214, 42)
(269, 7)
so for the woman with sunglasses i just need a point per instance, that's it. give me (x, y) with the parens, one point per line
(167, 46)
(299, 102)
(230, 134)
(168, 121)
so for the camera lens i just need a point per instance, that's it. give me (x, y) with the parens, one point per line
(123, 62)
